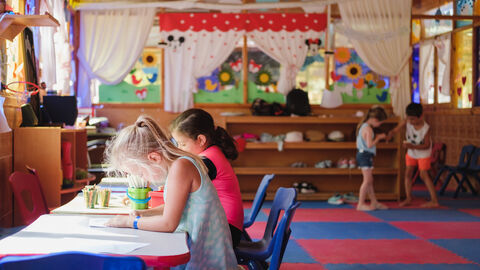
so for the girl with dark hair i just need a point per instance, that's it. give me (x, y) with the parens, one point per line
(194, 131)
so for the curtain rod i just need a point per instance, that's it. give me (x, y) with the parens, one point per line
(313, 4)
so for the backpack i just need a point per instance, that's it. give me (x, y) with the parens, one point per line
(297, 102)
(262, 108)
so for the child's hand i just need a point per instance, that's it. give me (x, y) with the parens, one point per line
(381, 136)
(407, 145)
(120, 221)
(389, 136)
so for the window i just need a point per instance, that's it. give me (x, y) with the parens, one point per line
(311, 77)
(225, 84)
(462, 69)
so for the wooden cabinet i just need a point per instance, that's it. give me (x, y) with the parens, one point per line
(261, 158)
(40, 148)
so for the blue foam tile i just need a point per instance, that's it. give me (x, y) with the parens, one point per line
(423, 215)
(401, 266)
(294, 253)
(260, 217)
(314, 205)
(462, 203)
(347, 230)
(467, 248)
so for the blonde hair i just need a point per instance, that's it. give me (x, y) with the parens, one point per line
(374, 112)
(132, 145)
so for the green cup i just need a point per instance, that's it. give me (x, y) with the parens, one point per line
(138, 197)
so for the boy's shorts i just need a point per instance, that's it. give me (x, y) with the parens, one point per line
(365, 160)
(422, 163)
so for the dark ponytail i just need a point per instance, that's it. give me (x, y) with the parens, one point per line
(223, 140)
(194, 122)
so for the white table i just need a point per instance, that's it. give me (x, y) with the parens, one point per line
(56, 233)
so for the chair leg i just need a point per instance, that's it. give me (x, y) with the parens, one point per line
(447, 180)
(439, 174)
(469, 184)
(460, 185)
(462, 188)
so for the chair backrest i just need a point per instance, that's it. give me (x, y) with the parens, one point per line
(281, 237)
(28, 195)
(258, 200)
(72, 261)
(284, 199)
(475, 160)
(465, 156)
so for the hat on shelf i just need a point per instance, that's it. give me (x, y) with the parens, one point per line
(314, 136)
(336, 136)
(294, 136)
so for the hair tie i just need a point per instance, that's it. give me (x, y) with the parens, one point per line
(141, 124)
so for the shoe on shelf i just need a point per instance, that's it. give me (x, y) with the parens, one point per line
(328, 163)
(350, 197)
(352, 164)
(299, 164)
(307, 188)
(321, 165)
(342, 163)
(336, 199)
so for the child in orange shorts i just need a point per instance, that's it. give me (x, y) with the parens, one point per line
(419, 148)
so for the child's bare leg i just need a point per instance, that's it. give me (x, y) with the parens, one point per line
(431, 189)
(364, 190)
(409, 170)
(373, 200)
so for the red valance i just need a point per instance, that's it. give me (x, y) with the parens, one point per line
(243, 21)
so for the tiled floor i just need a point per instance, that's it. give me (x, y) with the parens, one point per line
(339, 237)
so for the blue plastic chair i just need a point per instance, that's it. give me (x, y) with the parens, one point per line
(73, 261)
(257, 204)
(275, 239)
(463, 163)
(473, 169)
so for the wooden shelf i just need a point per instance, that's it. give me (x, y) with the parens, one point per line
(314, 145)
(297, 120)
(12, 24)
(309, 171)
(317, 196)
(87, 180)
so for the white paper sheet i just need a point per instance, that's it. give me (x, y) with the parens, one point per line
(40, 245)
(98, 222)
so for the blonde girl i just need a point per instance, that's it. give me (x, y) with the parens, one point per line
(366, 150)
(191, 202)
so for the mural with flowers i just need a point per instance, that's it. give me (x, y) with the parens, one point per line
(141, 85)
(355, 82)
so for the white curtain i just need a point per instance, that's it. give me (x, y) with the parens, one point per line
(443, 44)
(425, 71)
(379, 31)
(199, 54)
(287, 48)
(110, 43)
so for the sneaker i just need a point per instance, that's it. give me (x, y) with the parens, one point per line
(350, 197)
(307, 188)
(296, 186)
(352, 164)
(321, 165)
(328, 163)
(342, 163)
(336, 199)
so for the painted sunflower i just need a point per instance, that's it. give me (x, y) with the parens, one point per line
(263, 78)
(369, 77)
(342, 55)
(354, 71)
(149, 59)
(225, 76)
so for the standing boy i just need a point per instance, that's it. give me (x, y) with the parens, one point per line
(419, 147)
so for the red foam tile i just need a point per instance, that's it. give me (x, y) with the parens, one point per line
(406, 251)
(473, 212)
(441, 230)
(257, 230)
(303, 266)
(331, 215)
